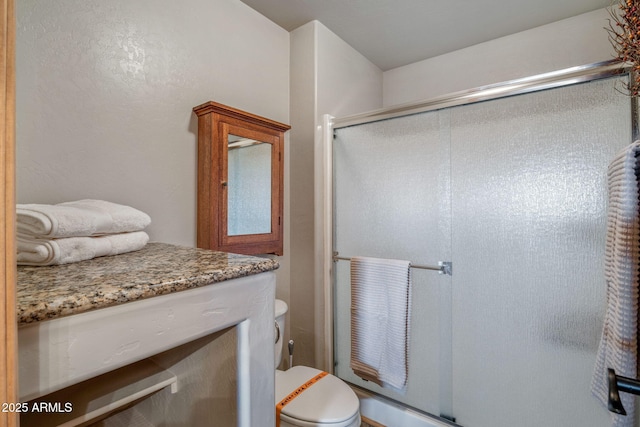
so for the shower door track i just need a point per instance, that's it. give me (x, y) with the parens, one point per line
(554, 79)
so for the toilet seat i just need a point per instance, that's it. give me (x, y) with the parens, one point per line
(329, 401)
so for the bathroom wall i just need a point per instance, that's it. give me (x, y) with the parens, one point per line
(105, 91)
(574, 41)
(327, 77)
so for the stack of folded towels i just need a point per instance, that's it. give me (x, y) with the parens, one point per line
(77, 231)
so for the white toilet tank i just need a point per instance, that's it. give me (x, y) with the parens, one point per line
(280, 313)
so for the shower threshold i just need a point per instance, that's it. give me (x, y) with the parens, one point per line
(389, 413)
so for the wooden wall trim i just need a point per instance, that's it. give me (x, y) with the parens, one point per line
(8, 327)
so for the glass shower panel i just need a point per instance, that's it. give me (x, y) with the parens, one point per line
(529, 203)
(391, 190)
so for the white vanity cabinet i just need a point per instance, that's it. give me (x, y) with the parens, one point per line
(115, 313)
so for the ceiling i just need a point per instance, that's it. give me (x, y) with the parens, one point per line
(393, 33)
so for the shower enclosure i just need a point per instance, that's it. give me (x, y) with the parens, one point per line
(508, 183)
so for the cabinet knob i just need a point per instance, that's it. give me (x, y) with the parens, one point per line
(224, 183)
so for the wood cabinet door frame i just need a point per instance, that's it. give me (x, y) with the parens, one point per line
(8, 325)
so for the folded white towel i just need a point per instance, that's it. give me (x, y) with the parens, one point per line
(32, 251)
(380, 313)
(619, 342)
(81, 218)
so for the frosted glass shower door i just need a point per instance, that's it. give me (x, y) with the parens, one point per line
(512, 191)
(528, 190)
(391, 190)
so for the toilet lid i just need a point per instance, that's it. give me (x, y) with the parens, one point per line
(329, 400)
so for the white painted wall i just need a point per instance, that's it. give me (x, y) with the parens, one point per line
(300, 317)
(106, 90)
(347, 82)
(327, 77)
(575, 41)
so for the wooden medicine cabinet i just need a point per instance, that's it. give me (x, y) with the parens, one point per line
(240, 181)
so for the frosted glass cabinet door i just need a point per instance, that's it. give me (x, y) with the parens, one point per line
(528, 190)
(391, 182)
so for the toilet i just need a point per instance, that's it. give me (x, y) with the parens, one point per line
(328, 402)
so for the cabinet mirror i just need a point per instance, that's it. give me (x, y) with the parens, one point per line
(240, 181)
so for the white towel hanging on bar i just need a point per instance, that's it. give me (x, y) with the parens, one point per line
(380, 314)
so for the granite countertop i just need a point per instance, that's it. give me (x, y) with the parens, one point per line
(45, 293)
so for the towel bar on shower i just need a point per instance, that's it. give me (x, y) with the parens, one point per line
(619, 383)
(444, 267)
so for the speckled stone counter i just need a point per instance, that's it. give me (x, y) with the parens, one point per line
(50, 292)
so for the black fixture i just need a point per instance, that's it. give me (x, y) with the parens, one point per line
(618, 383)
